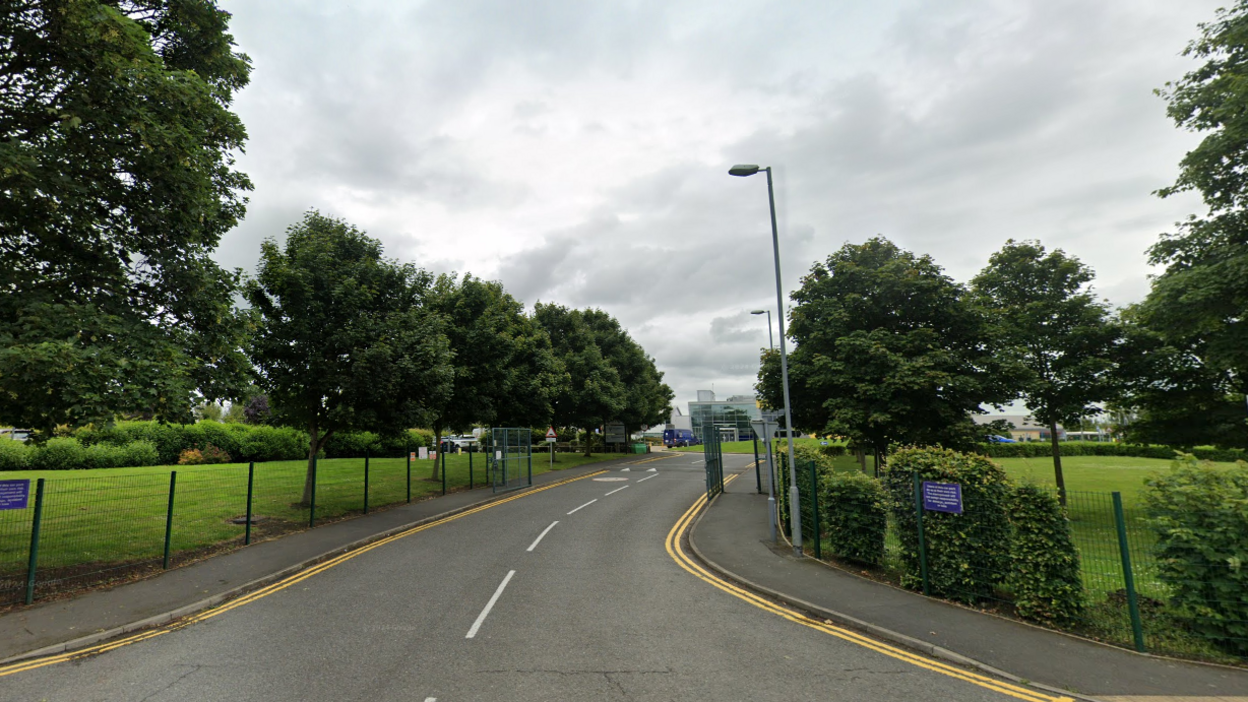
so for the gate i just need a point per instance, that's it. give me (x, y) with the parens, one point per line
(511, 458)
(714, 464)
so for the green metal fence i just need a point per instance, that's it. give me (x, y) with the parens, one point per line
(714, 462)
(1125, 592)
(511, 458)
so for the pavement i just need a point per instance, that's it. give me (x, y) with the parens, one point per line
(572, 592)
(733, 537)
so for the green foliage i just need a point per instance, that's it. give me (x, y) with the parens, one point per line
(265, 443)
(1044, 571)
(14, 455)
(648, 400)
(1200, 516)
(117, 170)
(59, 453)
(344, 338)
(595, 393)
(888, 351)
(1036, 449)
(853, 509)
(139, 453)
(967, 554)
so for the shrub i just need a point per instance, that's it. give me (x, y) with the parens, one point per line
(61, 453)
(215, 454)
(854, 514)
(140, 453)
(1044, 574)
(265, 443)
(967, 553)
(1200, 515)
(14, 455)
(103, 456)
(191, 457)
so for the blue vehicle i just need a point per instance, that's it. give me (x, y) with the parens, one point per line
(679, 437)
(994, 439)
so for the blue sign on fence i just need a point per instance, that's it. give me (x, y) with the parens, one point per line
(942, 497)
(14, 494)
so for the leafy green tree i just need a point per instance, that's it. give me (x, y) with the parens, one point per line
(116, 164)
(505, 372)
(999, 427)
(888, 350)
(344, 338)
(595, 393)
(648, 400)
(1047, 324)
(1197, 304)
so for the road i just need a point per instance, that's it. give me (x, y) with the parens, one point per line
(570, 593)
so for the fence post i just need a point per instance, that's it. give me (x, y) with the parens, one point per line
(173, 482)
(1128, 577)
(409, 472)
(312, 501)
(470, 467)
(251, 476)
(34, 543)
(918, 513)
(758, 477)
(365, 481)
(442, 458)
(814, 507)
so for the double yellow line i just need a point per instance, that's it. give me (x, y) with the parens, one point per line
(299, 577)
(676, 551)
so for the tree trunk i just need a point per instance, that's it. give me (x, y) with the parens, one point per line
(878, 461)
(861, 457)
(315, 443)
(1057, 464)
(437, 444)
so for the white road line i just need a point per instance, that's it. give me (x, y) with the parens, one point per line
(585, 505)
(626, 470)
(616, 490)
(697, 461)
(539, 536)
(652, 470)
(648, 477)
(489, 605)
(431, 699)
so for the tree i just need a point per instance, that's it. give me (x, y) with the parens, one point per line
(648, 400)
(344, 339)
(504, 370)
(1197, 305)
(594, 393)
(888, 350)
(998, 427)
(116, 164)
(1061, 341)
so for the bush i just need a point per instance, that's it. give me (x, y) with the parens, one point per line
(103, 456)
(1044, 574)
(191, 457)
(14, 455)
(215, 454)
(854, 514)
(265, 443)
(967, 553)
(1200, 515)
(140, 453)
(61, 453)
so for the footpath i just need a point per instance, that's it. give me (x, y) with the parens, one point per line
(733, 537)
(60, 625)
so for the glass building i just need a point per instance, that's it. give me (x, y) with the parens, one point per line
(731, 417)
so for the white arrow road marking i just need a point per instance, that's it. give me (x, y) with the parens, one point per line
(626, 470)
(615, 491)
(539, 536)
(489, 605)
(653, 470)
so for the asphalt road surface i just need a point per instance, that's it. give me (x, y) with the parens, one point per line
(566, 594)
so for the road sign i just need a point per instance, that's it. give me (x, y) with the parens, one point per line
(942, 497)
(412, 457)
(424, 452)
(763, 429)
(551, 436)
(615, 433)
(14, 494)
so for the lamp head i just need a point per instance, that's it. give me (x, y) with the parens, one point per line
(758, 312)
(743, 170)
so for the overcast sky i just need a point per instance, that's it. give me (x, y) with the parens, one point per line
(578, 151)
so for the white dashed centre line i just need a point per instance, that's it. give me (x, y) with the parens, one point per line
(617, 490)
(648, 477)
(489, 605)
(538, 540)
(584, 505)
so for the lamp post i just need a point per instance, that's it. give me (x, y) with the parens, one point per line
(770, 342)
(795, 511)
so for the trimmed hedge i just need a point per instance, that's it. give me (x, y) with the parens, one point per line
(14, 455)
(968, 553)
(853, 510)
(1045, 576)
(1042, 449)
(1200, 516)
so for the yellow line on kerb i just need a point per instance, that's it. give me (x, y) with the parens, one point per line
(676, 551)
(264, 591)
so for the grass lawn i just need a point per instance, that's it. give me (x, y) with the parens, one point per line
(95, 521)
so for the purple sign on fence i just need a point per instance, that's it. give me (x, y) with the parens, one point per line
(14, 494)
(942, 497)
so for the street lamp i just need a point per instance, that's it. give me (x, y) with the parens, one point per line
(770, 341)
(795, 511)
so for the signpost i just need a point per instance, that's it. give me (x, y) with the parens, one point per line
(551, 438)
(615, 433)
(942, 497)
(14, 494)
(424, 452)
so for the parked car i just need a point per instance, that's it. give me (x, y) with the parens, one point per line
(15, 434)
(467, 443)
(994, 439)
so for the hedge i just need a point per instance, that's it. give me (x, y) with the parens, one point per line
(1043, 449)
(853, 509)
(1044, 574)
